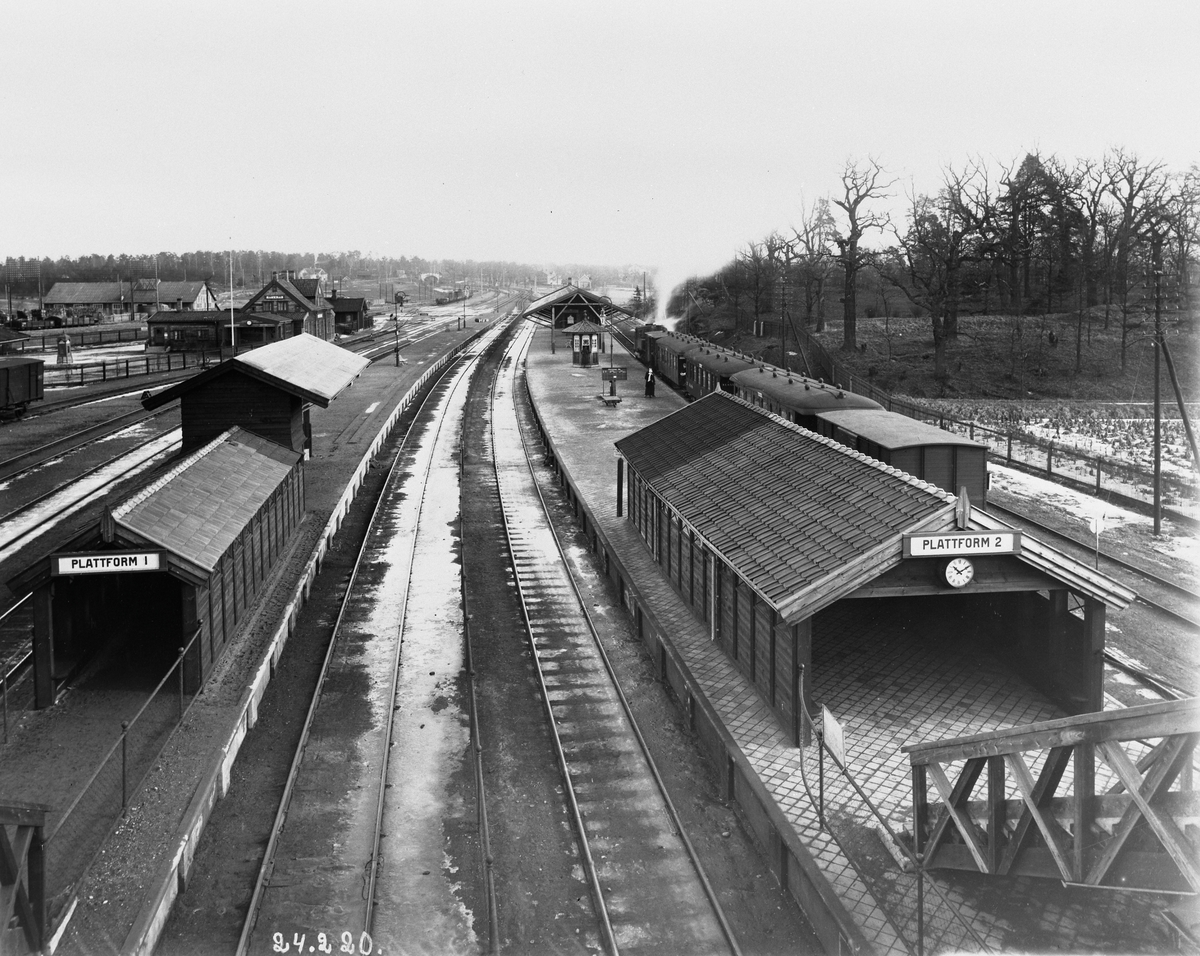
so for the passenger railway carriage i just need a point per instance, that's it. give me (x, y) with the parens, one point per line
(697, 367)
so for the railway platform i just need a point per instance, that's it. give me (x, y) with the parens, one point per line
(892, 681)
(119, 904)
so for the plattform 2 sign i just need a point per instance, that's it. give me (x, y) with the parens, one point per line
(961, 542)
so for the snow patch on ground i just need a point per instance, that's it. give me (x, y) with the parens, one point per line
(1182, 544)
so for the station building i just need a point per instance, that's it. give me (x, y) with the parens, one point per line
(180, 561)
(763, 526)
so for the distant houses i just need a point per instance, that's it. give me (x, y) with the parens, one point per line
(129, 296)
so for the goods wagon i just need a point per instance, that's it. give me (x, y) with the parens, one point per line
(20, 383)
(933, 454)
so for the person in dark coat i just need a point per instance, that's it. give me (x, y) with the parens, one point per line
(649, 383)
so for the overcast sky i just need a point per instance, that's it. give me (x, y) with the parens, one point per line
(620, 131)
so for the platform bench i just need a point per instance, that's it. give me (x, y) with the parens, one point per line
(611, 400)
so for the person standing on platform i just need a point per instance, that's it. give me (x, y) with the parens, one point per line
(649, 383)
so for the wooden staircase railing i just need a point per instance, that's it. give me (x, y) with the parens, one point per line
(1104, 799)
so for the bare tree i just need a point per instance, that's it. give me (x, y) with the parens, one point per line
(1139, 193)
(759, 272)
(860, 186)
(811, 254)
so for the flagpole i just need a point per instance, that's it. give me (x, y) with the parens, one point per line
(232, 330)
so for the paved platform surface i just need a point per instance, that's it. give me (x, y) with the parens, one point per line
(891, 676)
(52, 754)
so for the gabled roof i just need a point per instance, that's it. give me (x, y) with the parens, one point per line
(199, 506)
(128, 290)
(347, 303)
(303, 302)
(307, 287)
(805, 520)
(303, 365)
(598, 307)
(85, 293)
(793, 512)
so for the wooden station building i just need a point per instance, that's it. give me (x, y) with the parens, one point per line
(268, 390)
(762, 525)
(180, 561)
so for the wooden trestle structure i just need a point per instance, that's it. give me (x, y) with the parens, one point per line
(22, 877)
(1128, 816)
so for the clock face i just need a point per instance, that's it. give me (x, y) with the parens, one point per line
(959, 572)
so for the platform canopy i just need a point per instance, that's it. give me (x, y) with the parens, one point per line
(803, 519)
(193, 511)
(304, 365)
(572, 301)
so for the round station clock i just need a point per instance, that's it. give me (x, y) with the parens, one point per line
(959, 572)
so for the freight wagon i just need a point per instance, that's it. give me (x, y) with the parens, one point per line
(20, 383)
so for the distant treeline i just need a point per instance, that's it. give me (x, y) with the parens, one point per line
(251, 268)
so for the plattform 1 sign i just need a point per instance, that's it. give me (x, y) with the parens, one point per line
(106, 562)
(961, 542)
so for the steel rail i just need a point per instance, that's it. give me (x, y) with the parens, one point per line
(91, 496)
(266, 868)
(676, 822)
(485, 833)
(73, 442)
(1172, 586)
(459, 366)
(589, 863)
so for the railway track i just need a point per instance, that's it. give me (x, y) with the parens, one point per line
(337, 822)
(30, 519)
(67, 444)
(649, 891)
(1084, 549)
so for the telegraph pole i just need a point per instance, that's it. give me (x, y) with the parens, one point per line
(1156, 259)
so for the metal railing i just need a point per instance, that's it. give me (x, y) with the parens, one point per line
(82, 373)
(1096, 474)
(15, 668)
(942, 924)
(80, 832)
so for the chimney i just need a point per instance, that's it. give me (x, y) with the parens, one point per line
(274, 276)
(333, 293)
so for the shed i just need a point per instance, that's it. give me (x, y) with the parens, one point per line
(568, 305)
(942, 458)
(587, 342)
(176, 564)
(266, 391)
(761, 525)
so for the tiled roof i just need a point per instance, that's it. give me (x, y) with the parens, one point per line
(572, 295)
(307, 287)
(199, 507)
(347, 303)
(788, 509)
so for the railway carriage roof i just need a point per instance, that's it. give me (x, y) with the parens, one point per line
(892, 430)
(721, 361)
(803, 519)
(800, 393)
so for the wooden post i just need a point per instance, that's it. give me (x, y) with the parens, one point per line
(996, 813)
(43, 646)
(1085, 811)
(620, 486)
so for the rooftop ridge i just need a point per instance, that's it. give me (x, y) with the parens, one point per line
(174, 471)
(854, 453)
